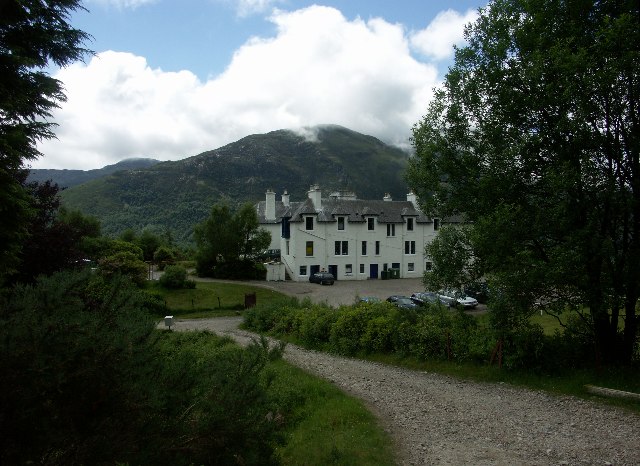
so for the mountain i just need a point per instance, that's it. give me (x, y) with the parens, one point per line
(178, 195)
(69, 178)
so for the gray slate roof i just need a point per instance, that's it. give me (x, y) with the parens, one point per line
(356, 210)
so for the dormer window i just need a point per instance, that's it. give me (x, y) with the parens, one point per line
(436, 224)
(410, 224)
(308, 223)
(340, 223)
(371, 224)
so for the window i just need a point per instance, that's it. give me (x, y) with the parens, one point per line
(287, 247)
(436, 224)
(428, 266)
(371, 225)
(342, 248)
(340, 223)
(391, 229)
(409, 247)
(348, 269)
(361, 268)
(377, 248)
(364, 248)
(409, 224)
(410, 267)
(395, 265)
(303, 270)
(309, 248)
(308, 223)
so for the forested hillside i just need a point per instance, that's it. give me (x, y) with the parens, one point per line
(69, 178)
(177, 195)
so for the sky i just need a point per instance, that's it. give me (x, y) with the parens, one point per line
(173, 78)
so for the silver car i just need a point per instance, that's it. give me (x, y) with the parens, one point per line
(456, 298)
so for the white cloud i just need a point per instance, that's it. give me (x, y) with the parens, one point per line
(319, 68)
(437, 40)
(249, 7)
(122, 4)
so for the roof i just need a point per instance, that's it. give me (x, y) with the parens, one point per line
(356, 210)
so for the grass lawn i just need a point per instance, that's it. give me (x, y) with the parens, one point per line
(211, 299)
(327, 426)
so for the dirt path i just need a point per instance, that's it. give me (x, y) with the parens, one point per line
(438, 420)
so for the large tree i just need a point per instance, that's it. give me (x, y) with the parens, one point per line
(535, 137)
(34, 35)
(227, 237)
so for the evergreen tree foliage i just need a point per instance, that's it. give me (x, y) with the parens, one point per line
(33, 35)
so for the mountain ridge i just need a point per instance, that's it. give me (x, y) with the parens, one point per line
(178, 194)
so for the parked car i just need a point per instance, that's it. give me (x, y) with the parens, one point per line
(455, 298)
(324, 278)
(403, 302)
(478, 290)
(369, 299)
(425, 297)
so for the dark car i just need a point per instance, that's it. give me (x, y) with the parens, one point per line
(403, 302)
(478, 290)
(324, 278)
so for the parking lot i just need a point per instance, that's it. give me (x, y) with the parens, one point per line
(347, 291)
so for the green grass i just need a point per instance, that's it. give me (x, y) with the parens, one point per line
(327, 427)
(212, 299)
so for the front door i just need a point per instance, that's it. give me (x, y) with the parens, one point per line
(373, 271)
(333, 269)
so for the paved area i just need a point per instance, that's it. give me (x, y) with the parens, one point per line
(341, 292)
(344, 291)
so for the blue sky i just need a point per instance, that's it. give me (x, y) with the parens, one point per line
(173, 78)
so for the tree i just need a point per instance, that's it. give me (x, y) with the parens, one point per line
(33, 35)
(535, 138)
(55, 234)
(227, 237)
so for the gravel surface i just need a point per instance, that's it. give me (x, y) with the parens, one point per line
(439, 420)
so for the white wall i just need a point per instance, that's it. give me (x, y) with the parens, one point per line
(324, 235)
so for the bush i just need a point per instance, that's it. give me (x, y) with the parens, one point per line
(87, 379)
(175, 277)
(315, 326)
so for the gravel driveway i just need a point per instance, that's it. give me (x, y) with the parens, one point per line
(439, 420)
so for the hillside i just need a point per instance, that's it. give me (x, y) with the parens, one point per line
(177, 195)
(69, 178)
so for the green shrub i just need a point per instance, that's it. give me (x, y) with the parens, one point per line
(315, 326)
(379, 334)
(175, 277)
(87, 379)
(351, 325)
(524, 347)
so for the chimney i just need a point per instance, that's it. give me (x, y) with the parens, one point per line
(411, 197)
(316, 196)
(270, 205)
(387, 197)
(285, 198)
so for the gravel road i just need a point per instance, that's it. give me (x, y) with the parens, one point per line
(438, 420)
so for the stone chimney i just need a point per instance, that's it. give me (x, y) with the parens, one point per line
(411, 197)
(387, 197)
(316, 197)
(285, 198)
(270, 205)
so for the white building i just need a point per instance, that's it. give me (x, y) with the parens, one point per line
(353, 239)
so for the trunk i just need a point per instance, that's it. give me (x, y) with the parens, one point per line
(630, 334)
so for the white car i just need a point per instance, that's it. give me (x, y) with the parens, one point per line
(455, 298)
